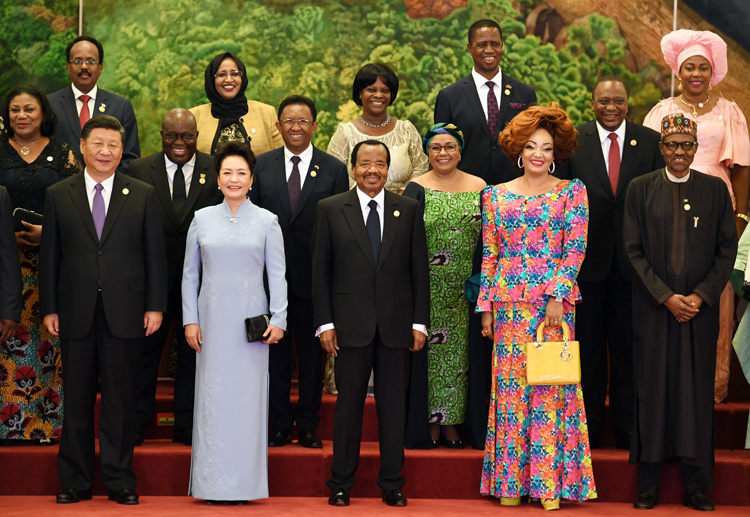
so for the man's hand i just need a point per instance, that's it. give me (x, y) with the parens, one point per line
(152, 321)
(7, 329)
(684, 308)
(419, 339)
(329, 342)
(52, 322)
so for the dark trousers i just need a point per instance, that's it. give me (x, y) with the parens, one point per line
(693, 477)
(604, 328)
(352, 372)
(301, 332)
(115, 361)
(184, 385)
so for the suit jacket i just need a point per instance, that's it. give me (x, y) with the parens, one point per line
(606, 210)
(68, 127)
(259, 123)
(152, 170)
(482, 156)
(269, 191)
(11, 286)
(358, 296)
(128, 263)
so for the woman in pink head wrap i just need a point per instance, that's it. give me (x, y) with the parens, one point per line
(699, 59)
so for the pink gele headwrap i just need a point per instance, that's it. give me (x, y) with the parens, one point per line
(677, 46)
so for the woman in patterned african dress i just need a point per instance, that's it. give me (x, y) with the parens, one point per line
(534, 233)
(452, 216)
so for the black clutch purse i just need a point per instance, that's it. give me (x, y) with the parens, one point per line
(21, 214)
(256, 326)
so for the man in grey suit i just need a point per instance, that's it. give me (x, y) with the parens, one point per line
(83, 99)
(11, 301)
(611, 153)
(371, 297)
(185, 181)
(102, 288)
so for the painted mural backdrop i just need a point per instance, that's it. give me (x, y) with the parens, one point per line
(156, 51)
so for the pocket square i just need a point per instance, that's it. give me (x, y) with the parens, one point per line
(517, 105)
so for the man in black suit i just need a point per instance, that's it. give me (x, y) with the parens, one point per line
(85, 59)
(299, 174)
(606, 165)
(185, 181)
(481, 111)
(11, 286)
(371, 297)
(103, 285)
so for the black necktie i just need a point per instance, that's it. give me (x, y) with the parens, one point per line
(293, 183)
(178, 192)
(373, 229)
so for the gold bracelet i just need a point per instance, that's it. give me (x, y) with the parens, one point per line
(743, 217)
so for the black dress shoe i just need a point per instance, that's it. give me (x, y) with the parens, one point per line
(214, 501)
(138, 439)
(394, 497)
(279, 438)
(70, 495)
(124, 496)
(309, 438)
(698, 500)
(240, 502)
(339, 497)
(645, 501)
(452, 444)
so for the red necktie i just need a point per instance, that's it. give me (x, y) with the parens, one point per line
(614, 162)
(493, 112)
(85, 114)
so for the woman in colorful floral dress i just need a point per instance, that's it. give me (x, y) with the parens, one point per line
(534, 231)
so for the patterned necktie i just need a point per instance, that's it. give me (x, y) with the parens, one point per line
(614, 162)
(97, 210)
(293, 183)
(373, 230)
(85, 114)
(493, 112)
(178, 192)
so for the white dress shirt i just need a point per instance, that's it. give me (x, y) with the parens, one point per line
(79, 102)
(108, 184)
(607, 143)
(675, 179)
(305, 157)
(187, 171)
(482, 89)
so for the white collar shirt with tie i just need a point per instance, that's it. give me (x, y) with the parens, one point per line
(305, 158)
(92, 101)
(364, 201)
(482, 89)
(90, 183)
(187, 171)
(606, 142)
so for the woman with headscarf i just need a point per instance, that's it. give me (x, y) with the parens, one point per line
(230, 116)
(453, 218)
(699, 59)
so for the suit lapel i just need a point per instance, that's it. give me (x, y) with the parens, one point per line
(101, 100)
(81, 202)
(116, 202)
(196, 187)
(594, 150)
(390, 223)
(280, 186)
(310, 182)
(628, 158)
(472, 97)
(68, 104)
(504, 102)
(353, 214)
(161, 185)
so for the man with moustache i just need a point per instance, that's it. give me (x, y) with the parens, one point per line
(289, 182)
(611, 152)
(83, 99)
(371, 297)
(103, 287)
(185, 181)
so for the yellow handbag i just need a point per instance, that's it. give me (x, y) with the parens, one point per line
(553, 363)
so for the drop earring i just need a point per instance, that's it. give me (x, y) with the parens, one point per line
(679, 86)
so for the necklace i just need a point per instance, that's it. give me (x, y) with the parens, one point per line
(25, 149)
(455, 173)
(370, 124)
(700, 104)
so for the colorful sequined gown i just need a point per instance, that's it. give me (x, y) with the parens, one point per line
(537, 440)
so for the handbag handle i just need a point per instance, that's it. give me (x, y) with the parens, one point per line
(540, 332)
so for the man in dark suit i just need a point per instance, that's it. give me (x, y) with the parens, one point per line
(298, 174)
(85, 59)
(371, 297)
(606, 165)
(482, 103)
(185, 181)
(11, 286)
(103, 286)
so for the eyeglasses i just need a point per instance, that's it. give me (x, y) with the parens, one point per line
(301, 122)
(79, 62)
(449, 148)
(223, 74)
(172, 137)
(686, 146)
(378, 166)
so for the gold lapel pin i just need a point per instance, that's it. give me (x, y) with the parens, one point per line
(126, 191)
(313, 174)
(202, 180)
(317, 166)
(633, 142)
(102, 107)
(507, 92)
(396, 213)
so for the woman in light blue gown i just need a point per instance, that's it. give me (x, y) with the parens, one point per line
(228, 247)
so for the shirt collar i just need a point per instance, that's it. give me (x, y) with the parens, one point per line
(604, 133)
(91, 94)
(480, 80)
(675, 179)
(364, 199)
(91, 182)
(305, 156)
(172, 165)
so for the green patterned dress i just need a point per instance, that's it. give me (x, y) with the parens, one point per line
(453, 222)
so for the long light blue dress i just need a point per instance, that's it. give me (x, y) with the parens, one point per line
(222, 284)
